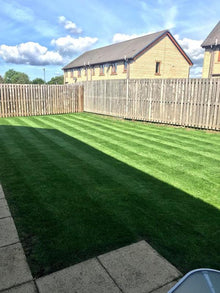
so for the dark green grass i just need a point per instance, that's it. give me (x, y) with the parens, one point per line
(79, 185)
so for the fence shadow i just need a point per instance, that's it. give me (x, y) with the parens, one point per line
(71, 202)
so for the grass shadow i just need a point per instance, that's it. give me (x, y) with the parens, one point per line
(71, 202)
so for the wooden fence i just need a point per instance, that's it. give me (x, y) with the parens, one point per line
(28, 100)
(186, 102)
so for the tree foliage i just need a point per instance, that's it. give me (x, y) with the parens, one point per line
(12, 76)
(57, 80)
(38, 81)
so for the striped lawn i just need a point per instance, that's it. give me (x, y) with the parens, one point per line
(79, 185)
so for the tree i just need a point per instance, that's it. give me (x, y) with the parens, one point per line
(12, 76)
(38, 81)
(57, 80)
(1, 79)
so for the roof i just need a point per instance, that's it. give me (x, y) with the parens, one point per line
(213, 38)
(124, 50)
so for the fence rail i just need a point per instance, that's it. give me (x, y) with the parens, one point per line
(28, 100)
(186, 102)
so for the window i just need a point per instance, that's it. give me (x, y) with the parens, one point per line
(93, 70)
(114, 68)
(79, 72)
(157, 68)
(125, 66)
(101, 70)
(219, 56)
(86, 71)
(71, 73)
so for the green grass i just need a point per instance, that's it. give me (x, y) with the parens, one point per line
(79, 185)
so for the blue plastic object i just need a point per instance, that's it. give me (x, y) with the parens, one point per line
(198, 281)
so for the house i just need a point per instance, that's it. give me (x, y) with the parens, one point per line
(211, 63)
(156, 55)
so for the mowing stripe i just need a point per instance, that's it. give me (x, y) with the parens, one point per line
(199, 136)
(119, 138)
(146, 139)
(171, 140)
(164, 174)
(146, 151)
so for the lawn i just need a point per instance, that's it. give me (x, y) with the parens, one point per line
(79, 185)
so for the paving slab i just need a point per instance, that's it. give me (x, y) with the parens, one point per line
(14, 269)
(138, 268)
(2, 195)
(165, 288)
(85, 277)
(24, 288)
(8, 232)
(4, 209)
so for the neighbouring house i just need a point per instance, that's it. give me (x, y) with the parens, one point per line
(211, 63)
(156, 55)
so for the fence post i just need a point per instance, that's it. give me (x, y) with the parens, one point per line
(126, 111)
(81, 98)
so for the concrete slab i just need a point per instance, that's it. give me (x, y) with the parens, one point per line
(2, 195)
(24, 288)
(4, 210)
(165, 288)
(138, 268)
(14, 269)
(8, 232)
(85, 277)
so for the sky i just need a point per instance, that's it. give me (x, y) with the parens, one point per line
(40, 34)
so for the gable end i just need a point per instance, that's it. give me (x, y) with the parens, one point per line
(167, 33)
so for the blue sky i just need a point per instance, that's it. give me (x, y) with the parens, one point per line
(49, 34)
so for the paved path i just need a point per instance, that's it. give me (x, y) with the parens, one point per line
(136, 268)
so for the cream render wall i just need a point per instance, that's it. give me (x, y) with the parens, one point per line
(173, 64)
(207, 62)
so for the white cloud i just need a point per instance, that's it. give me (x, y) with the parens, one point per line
(191, 47)
(70, 26)
(29, 53)
(68, 46)
(196, 71)
(195, 52)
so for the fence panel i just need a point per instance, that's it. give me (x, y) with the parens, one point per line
(187, 102)
(28, 99)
